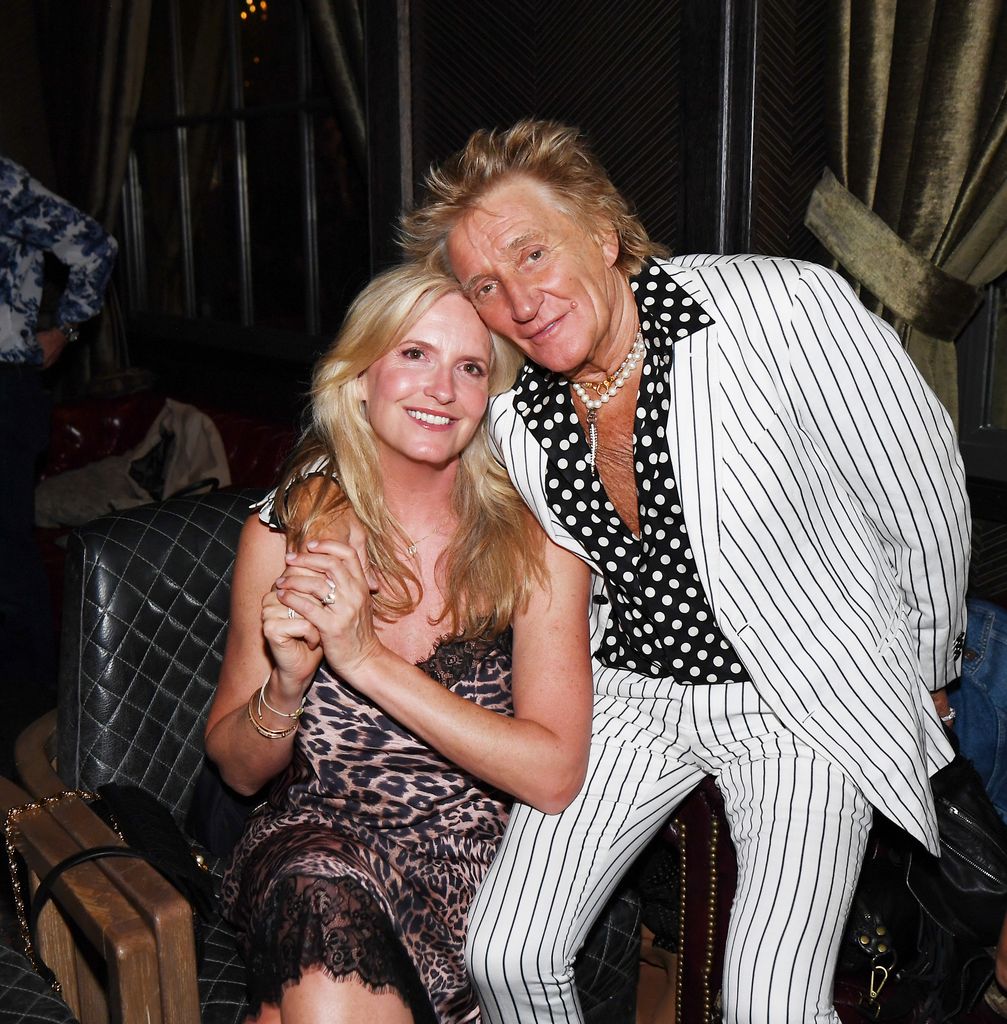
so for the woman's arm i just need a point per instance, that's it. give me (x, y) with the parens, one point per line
(540, 755)
(262, 642)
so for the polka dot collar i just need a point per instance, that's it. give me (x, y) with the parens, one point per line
(667, 313)
(661, 624)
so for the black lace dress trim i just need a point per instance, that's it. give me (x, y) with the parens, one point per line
(364, 860)
(334, 924)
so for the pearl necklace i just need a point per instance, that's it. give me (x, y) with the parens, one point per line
(606, 390)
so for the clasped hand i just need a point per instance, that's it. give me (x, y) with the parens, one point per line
(326, 609)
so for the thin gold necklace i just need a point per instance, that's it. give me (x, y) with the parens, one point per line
(414, 545)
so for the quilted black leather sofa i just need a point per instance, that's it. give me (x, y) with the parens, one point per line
(145, 615)
(25, 997)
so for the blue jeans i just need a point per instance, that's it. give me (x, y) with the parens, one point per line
(981, 698)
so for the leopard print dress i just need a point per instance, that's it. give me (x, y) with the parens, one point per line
(370, 848)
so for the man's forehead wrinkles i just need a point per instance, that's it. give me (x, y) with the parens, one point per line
(522, 240)
(499, 247)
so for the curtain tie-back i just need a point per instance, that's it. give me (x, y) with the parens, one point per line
(930, 299)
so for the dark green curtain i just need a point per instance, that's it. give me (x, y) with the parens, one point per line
(119, 73)
(913, 205)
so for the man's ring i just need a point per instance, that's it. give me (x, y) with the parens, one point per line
(291, 613)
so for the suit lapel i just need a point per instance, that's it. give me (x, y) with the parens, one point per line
(684, 319)
(695, 438)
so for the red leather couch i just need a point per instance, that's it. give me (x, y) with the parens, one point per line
(89, 429)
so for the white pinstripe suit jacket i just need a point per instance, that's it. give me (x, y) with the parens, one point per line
(824, 497)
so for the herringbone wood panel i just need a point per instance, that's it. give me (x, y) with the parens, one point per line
(610, 68)
(988, 570)
(615, 70)
(788, 127)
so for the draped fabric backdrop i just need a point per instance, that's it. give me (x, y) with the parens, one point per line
(24, 132)
(337, 29)
(203, 32)
(913, 205)
(93, 93)
(89, 97)
(119, 70)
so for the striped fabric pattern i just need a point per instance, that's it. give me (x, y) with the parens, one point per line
(824, 499)
(798, 824)
(825, 502)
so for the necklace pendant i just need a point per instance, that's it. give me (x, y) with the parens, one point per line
(592, 439)
(605, 390)
(412, 549)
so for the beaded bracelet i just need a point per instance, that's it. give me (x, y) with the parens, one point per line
(263, 703)
(269, 734)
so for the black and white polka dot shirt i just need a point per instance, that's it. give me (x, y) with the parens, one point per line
(661, 623)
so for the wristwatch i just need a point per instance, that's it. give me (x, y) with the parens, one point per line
(71, 331)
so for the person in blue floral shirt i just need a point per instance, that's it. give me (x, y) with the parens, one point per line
(34, 221)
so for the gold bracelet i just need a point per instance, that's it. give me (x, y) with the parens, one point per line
(263, 703)
(269, 734)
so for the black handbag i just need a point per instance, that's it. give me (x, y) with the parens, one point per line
(965, 889)
(217, 814)
(891, 955)
(150, 831)
(917, 945)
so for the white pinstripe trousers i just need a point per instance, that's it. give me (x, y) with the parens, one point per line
(798, 824)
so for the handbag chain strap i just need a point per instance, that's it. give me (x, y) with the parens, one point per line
(14, 815)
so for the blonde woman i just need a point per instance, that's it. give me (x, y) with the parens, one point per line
(383, 699)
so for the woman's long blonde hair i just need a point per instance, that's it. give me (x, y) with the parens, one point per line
(495, 556)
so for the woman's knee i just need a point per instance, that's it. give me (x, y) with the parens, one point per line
(318, 998)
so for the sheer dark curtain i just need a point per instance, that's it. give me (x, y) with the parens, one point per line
(337, 31)
(24, 131)
(202, 30)
(913, 205)
(92, 94)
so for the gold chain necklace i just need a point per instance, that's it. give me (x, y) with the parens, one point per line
(606, 390)
(414, 545)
